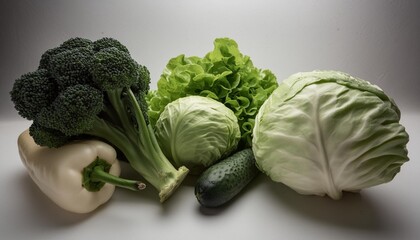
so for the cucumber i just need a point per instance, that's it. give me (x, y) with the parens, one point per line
(224, 180)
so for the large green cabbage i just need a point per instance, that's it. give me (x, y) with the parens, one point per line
(196, 132)
(325, 132)
(223, 74)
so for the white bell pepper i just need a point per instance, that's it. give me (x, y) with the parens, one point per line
(79, 176)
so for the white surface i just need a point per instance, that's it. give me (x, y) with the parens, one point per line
(376, 40)
(264, 211)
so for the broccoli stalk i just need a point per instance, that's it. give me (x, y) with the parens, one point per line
(141, 150)
(95, 89)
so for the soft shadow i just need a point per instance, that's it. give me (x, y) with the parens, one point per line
(354, 210)
(150, 196)
(190, 180)
(46, 211)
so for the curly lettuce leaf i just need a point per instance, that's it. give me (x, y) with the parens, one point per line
(224, 74)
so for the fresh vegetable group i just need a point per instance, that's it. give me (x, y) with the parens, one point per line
(218, 117)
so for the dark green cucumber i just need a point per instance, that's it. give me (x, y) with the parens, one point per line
(221, 182)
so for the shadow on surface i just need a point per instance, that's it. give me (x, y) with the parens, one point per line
(354, 210)
(149, 195)
(44, 210)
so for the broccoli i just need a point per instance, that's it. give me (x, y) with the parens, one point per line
(95, 89)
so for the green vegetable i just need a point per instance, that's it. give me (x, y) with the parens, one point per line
(325, 132)
(224, 180)
(225, 75)
(95, 89)
(196, 132)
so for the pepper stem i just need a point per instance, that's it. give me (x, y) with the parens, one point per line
(97, 174)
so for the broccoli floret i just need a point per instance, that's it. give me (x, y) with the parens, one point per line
(84, 88)
(32, 92)
(72, 67)
(47, 136)
(74, 110)
(72, 43)
(143, 82)
(113, 69)
(107, 42)
(76, 42)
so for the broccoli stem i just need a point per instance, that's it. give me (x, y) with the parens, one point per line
(169, 178)
(139, 146)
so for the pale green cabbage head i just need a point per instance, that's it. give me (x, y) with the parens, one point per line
(196, 132)
(325, 132)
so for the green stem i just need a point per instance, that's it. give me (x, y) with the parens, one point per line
(115, 99)
(100, 175)
(136, 140)
(164, 176)
(96, 174)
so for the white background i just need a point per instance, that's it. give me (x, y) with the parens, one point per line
(374, 40)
